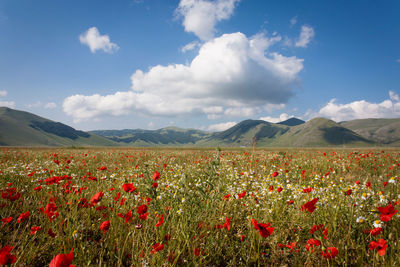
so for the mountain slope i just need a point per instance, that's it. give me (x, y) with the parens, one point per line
(292, 122)
(382, 131)
(168, 136)
(20, 128)
(242, 134)
(320, 132)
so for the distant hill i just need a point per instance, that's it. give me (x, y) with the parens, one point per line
(169, 136)
(321, 132)
(382, 131)
(292, 122)
(20, 128)
(242, 134)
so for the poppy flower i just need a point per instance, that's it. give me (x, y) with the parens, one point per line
(142, 209)
(330, 253)
(34, 229)
(105, 226)
(263, 228)
(348, 192)
(387, 212)
(311, 244)
(156, 176)
(154, 185)
(157, 247)
(160, 221)
(374, 231)
(6, 220)
(274, 174)
(96, 198)
(310, 205)
(62, 260)
(279, 189)
(6, 258)
(380, 245)
(23, 216)
(241, 195)
(227, 196)
(127, 217)
(227, 224)
(128, 187)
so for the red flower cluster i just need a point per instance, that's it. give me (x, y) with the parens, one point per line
(310, 205)
(263, 228)
(62, 260)
(6, 258)
(380, 245)
(387, 212)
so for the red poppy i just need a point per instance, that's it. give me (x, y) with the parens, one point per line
(290, 202)
(128, 187)
(6, 220)
(315, 228)
(241, 195)
(374, 231)
(380, 245)
(154, 185)
(311, 244)
(96, 198)
(263, 228)
(142, 209)
(62, 260)
(102, 168)
(348, 192)
(310, 205)
(387, 212)
(330, 253)
(160, 220)
(156, 176)
(227, 224)
(275, 174)
(308, 190)
(157, 247)
(6, 258)
(34, 229)
(23, 216)
(105, 226)
(127, 217)
(227, 196)
(279, 189)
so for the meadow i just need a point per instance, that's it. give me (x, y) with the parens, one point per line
(199, 207)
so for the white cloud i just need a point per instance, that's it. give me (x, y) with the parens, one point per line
(389, 108)
(232, 75)
(293, 21)
(282, 117)
(306, 34)
(10, 104)
(190, 46)
(37, 104)
(200, 16)
(221, 126)
(50, 105)
(95, 41)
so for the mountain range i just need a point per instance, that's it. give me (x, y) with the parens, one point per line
(20, 128)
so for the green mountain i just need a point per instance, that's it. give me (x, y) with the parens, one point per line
(382, 131)
(320, 132)
(243, 134)
(169, 136)
(292, 122)
(20, 128)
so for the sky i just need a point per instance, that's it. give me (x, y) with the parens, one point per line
(127, 64)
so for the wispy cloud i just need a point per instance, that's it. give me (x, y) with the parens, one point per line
(282, 117)
(96, 41)
(221, 126)
(306, 35)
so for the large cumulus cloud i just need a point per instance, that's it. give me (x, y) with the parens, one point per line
(230, 74)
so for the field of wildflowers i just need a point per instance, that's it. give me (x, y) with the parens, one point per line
(148, 207)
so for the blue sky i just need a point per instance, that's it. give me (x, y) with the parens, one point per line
(102, 64)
